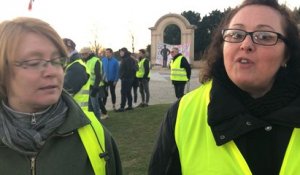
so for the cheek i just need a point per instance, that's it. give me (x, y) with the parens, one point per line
(228, 56)
(273, 59)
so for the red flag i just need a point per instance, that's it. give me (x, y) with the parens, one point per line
(30, 5)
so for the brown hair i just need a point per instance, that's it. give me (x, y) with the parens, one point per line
(11, 32)
(215, 49)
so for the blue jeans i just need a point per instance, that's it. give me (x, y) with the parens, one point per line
(94, 104)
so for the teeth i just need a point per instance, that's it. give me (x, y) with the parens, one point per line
(244, 61)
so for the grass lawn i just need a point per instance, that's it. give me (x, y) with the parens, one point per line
(135, 132)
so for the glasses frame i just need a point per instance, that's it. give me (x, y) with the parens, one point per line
(42, 63)
(279, 36)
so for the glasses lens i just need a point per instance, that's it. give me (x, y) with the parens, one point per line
(265, 38)
(233, 36)
(58, 62)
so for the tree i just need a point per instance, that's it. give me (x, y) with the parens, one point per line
(296, 13)
(95, 45)
(205, 27)
(194, 19)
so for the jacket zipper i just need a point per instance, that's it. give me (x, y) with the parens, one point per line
(33, 119)
(33, 161)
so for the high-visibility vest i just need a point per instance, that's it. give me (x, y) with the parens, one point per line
(82, 96)
(93, 139)
(141, 72)
(91, 67)
(198, 151)
(178, 73)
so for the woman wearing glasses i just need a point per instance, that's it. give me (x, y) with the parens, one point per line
(245, 118)
(42, 129)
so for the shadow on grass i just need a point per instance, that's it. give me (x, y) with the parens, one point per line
(135, 132)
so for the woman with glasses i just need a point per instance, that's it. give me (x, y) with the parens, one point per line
(42, 129)
(245, 117)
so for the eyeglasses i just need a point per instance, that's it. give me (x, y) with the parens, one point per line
(266, 38)
(39, 64)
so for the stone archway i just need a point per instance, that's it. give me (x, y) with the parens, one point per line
(187, 33)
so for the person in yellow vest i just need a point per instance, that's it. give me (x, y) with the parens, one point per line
(94, 66)
(76, 75)
(180, 71)
(143, 75)
(244, 118)
(42, 128)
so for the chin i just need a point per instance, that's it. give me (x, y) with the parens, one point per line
(243, 83)
(48, 100)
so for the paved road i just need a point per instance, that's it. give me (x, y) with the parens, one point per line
(161, 88)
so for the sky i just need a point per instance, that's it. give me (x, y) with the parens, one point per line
(112, 23)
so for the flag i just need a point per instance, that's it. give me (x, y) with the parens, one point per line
(30, 5)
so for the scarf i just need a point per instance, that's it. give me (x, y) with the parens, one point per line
(26, 133)
(230, 107)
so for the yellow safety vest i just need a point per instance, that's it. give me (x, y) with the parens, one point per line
(82, 96)
(140, 73)
(91, 67)
(93, 139)
(198, 151)
(178, 73)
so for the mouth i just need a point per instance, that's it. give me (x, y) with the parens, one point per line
(244, 60)
(49, 87)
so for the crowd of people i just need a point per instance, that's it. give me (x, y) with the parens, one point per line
(102, 75)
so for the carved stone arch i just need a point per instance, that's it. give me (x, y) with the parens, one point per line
(187, 33)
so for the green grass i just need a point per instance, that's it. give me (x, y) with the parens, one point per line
(135, 132)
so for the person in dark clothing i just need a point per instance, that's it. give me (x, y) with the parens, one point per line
(75, 74)
(127, 73)
(165, 52)
(180, 72)
(244, 118)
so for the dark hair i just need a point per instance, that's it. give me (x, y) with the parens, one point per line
(69, 43)
(143, 51)
(109, 49)
(215, 49)
(124, 49)
(126, 52)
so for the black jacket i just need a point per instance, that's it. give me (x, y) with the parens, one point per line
(75, 78)
(128, 67)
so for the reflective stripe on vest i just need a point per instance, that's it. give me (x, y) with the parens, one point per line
(91, 140)
(178, 73)
(91, 67)
(140, 73)
(198, 151)
(82, 96)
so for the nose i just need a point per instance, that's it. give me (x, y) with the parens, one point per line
(247, 45)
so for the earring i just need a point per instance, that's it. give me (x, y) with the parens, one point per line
(285, 65)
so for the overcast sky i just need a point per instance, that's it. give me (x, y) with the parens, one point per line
(113, 22)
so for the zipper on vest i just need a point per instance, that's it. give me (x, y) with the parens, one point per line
(32, 165)
(33, 119)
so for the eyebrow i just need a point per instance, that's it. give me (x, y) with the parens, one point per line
(258, 27)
